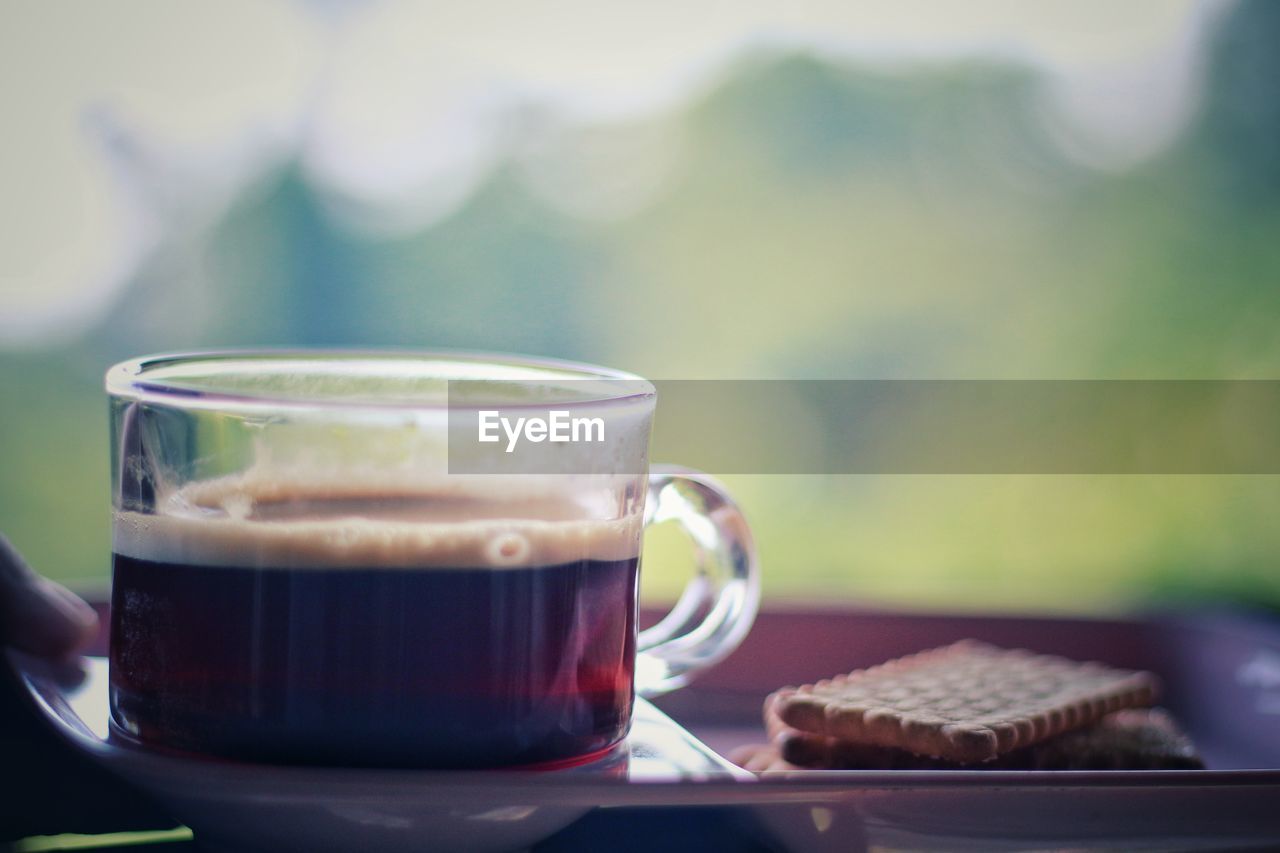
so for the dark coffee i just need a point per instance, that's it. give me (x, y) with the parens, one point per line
(367, 664)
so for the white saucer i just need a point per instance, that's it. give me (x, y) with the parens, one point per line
(243, 806)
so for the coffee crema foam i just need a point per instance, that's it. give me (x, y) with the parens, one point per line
(261, 523)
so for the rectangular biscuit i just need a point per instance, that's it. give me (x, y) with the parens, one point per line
(1132, 739)
(966, 703)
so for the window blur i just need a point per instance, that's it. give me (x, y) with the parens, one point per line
(856, 190)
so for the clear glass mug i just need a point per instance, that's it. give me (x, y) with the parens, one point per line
(309, 568)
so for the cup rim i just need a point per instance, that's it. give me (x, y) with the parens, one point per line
(128, 380)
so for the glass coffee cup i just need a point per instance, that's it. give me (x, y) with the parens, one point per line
(318, 559)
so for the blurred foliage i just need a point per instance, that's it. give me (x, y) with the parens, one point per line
(819, 221)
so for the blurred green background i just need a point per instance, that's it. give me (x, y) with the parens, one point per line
(804, 214)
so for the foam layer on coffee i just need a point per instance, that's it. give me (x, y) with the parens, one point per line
(258, 522)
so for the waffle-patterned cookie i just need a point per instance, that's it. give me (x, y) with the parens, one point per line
(1133, 739)
(967, 703)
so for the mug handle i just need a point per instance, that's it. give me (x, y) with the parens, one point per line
(716, 609)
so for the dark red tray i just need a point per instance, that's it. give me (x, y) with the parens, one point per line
(1221, 674)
